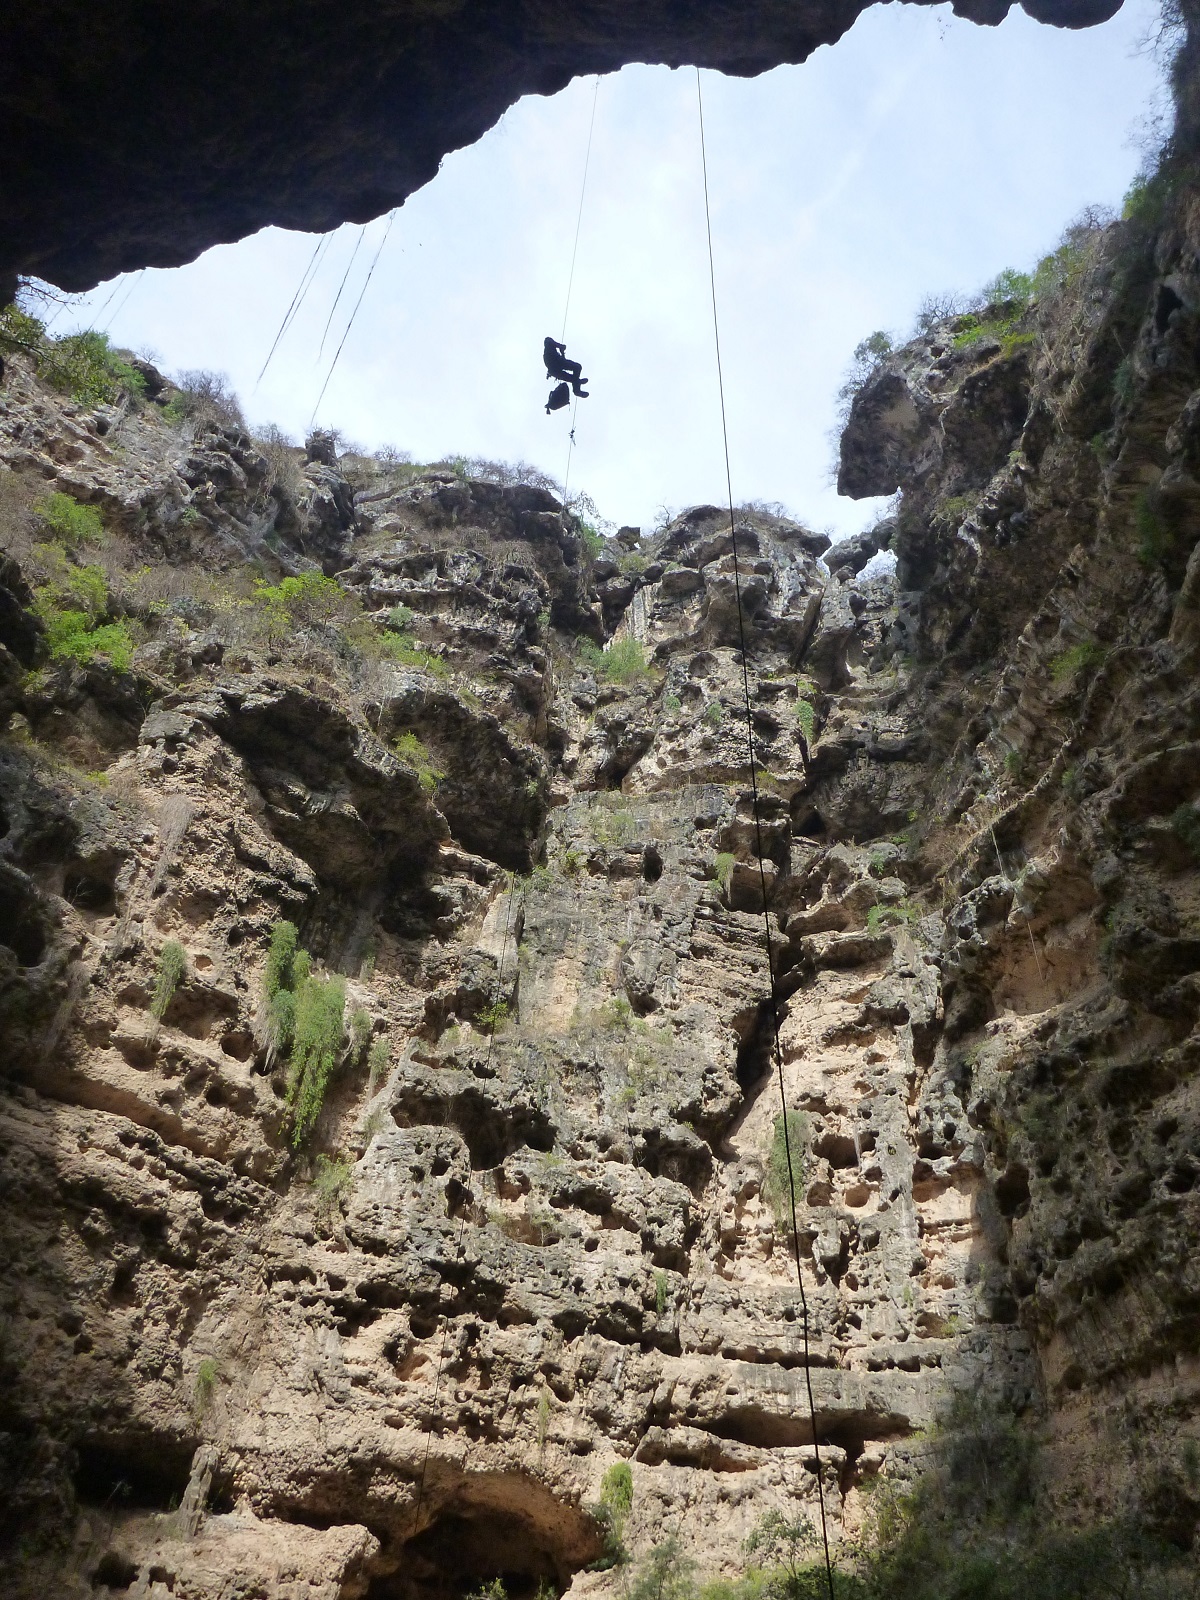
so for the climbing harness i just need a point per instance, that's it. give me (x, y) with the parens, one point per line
(762, 871)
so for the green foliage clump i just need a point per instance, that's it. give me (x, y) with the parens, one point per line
(74, 601)
(406, 652)
(492, 1017)
(332, 1179)
(661, 1290)
(309, 598)
(631, 564)
(307, 1014)
(205, 1384)
(71, 636)
(360, 1029)
(69, 522)
(714, 714)
(1003, 329)
(722, 869)
(665, 1574)
(401, 618)
(1071, 661)
(955, 509)
(172, 964)
(792, 1134)
(379, 1060)
(1009, 285)
(806, 708)
(612, 1513)
(82, 365)
(612, 827)
(317, 1037)
(591, 540)
(411, 750)
(623, 662)
(888, 916)
(869, 354)
(493, 1590)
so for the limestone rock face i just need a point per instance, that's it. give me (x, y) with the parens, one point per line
(539, 1224)
(139, 138)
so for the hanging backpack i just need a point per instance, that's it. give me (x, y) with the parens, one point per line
(560, 396)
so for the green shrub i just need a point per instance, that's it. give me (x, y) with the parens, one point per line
(400, 619)
(494, 1590)
(307, 599)
(623, 662)
(332, 1180)
(592, 543)
(1124, 381)
(411, 750)
(281, 959)
(665, 1574)
(317, 1039)
(722, 869)
(953, 511)
(70, 523)
(632, 565)
(205, 1385)
(806, 711)
(379, 1061)
(612, 1513)
(85, 366)
(172, 964)
(777, 1186)
(493, 1017)
(1071, 661)
(1005, 330)
(613, 828)
(406, 652)
(714, 714)
(1009, 285)
(672, 704)
(71, 636)
(661, 1288)
(892, 914)
(360, 1029)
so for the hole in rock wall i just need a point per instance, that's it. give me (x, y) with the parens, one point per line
(20, 922)
(757, 1041)
(147, 1472)
(459, 1555)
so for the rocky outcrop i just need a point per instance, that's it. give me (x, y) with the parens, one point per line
(139, 140)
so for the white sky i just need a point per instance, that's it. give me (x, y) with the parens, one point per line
(920, 153)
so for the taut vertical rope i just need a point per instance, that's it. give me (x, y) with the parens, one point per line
(462, 1221)
(762, 871)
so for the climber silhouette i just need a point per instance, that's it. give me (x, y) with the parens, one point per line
(554, 355)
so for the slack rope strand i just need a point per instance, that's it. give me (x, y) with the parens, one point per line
(353, 314)
(762, 871)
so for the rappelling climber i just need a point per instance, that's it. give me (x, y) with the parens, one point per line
(560, 396)
(554, 355)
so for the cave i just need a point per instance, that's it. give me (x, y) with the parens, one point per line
(489, 1527)
(460, 1555)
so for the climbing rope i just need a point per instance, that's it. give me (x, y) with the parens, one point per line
(587, 161)
(341, 286)
(298, 298)
(353, 314)
(462, 1221)
(762, 871)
